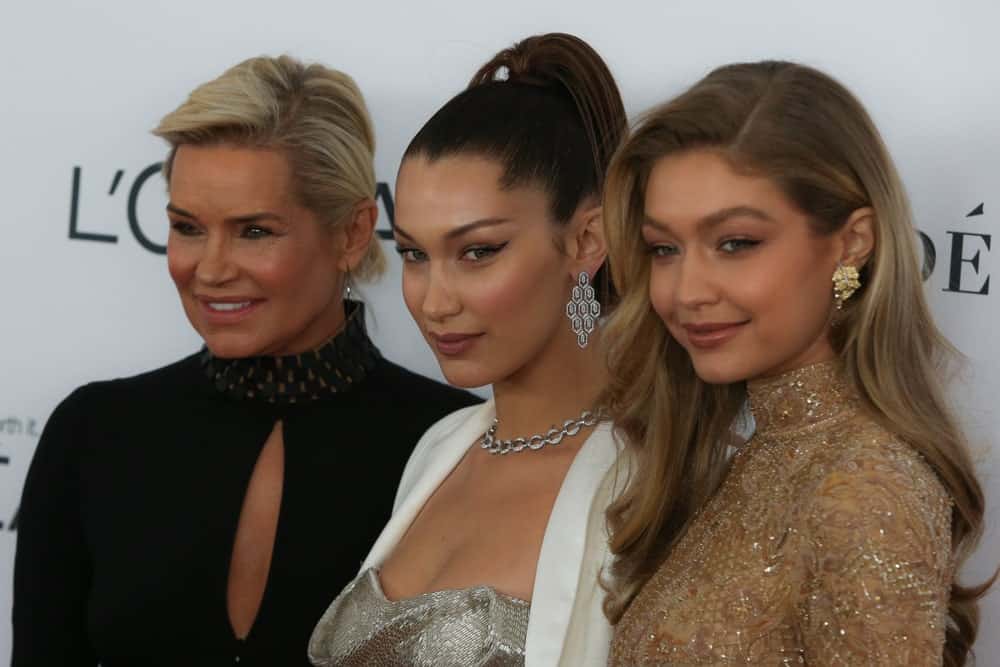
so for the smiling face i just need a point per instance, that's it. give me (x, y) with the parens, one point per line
(257, 273)
(483, 276)
(738, 274)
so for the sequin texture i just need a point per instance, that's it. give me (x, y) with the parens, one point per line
(474, 626)
(828, 542)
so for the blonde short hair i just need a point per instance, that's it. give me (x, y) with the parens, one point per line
(314, 114)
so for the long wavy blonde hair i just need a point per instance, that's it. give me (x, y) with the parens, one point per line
(815, 140)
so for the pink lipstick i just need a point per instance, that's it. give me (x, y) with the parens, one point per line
(452, 344)
(709, 335)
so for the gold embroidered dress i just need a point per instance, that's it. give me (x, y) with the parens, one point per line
(828, 543)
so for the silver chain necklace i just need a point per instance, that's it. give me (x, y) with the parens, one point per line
(553, 436)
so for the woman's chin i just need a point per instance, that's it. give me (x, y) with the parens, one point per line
(233, 347)
(466, 375)
(719, 371)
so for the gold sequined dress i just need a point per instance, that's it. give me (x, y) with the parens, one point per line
(827, 543)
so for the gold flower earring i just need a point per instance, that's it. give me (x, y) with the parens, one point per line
(845, 283)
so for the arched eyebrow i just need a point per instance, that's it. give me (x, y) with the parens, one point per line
(240, 219)
(717, 218)
(458, 231)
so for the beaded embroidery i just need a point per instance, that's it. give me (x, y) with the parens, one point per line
(828, 542)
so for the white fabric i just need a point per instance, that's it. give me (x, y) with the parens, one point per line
(566, 626)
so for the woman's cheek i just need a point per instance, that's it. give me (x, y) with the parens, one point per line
(508, 293)
(414, 288)
(180, 265)
(277, 269)
(660, 290)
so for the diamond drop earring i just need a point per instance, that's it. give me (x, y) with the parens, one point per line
(583, 309)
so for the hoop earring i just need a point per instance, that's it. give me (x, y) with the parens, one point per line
(583, 309)
(846, 281)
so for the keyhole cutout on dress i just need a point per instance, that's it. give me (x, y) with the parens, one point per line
(254, 544)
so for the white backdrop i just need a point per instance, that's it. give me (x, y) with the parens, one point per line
(82, 83)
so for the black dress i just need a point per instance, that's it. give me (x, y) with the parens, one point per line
(132, 501)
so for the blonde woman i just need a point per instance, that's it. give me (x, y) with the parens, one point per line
(182, 516)
(762, 241)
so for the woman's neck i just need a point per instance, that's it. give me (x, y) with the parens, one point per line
(317, 331)
(559, 384)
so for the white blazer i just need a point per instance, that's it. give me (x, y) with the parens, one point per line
(566, 626)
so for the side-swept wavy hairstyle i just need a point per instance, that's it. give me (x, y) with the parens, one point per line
(810, 135)
(315, 115)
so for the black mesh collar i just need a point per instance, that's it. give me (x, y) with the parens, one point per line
(334, 367)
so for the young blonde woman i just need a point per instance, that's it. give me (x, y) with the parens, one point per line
(763, 244)
(493, 551)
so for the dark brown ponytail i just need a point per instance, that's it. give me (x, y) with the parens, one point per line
(549, 111)
(563, 61)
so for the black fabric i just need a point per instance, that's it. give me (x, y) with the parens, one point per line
(335, 367)
(131, 505)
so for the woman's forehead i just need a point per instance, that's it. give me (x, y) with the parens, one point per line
(439, 196)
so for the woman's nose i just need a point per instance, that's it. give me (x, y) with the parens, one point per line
(216, 265)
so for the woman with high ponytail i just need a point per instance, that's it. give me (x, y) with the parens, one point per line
(498, 535)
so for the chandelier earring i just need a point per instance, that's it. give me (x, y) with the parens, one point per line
(583, 309)
(846, 281)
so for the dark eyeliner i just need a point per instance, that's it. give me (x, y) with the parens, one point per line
(490, 249)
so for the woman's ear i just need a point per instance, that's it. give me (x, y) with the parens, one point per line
(857, 237)
(587, 246)
(356, 234)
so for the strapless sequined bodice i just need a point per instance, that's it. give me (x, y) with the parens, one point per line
(473, 626)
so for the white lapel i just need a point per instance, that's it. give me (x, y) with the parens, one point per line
(432, 461)
(564, 547)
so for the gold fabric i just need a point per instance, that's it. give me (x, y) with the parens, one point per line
(827, 543)
(451, 628)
